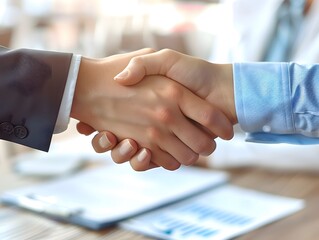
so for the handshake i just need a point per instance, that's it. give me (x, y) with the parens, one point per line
(155, 108)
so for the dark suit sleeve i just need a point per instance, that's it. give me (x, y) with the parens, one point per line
(31, 89)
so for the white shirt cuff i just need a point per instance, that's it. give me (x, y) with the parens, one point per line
(66, 104)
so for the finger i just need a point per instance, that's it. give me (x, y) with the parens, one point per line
(137, 166)
(190, 139)
(160, 158)
(179, 148)
(192, 136)
(84, 128)
(206, 130)
(104, 141)
(153, 63)
(141, 161)
(127, 150)
(124, 151)
(206, 115)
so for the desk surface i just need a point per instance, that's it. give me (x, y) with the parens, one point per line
(16, 224)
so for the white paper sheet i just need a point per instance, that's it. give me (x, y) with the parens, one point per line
(106, 195)
(221, 213)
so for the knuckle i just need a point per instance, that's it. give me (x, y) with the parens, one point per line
(211, 146)
(153, 133)
(167, 52)
(149, 50)
(166, 161)
(173, 91)
(164, 115)
(172, 165)
(208, 117)
(190, 159)
(203, 146)
(137, 60)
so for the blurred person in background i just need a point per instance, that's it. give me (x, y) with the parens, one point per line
(272, 31)
(279, 30)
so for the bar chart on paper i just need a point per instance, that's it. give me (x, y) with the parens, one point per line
(222, 213)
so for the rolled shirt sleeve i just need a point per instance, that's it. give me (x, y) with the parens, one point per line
(278, 102)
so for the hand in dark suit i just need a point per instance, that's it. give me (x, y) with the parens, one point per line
(161, 115)
(31, 88)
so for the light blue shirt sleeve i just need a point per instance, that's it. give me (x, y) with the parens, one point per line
(278, 102)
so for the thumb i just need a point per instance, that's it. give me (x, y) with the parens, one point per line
(157, 63)
(132, 74)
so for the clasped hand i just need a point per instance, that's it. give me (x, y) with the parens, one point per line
(145, 116)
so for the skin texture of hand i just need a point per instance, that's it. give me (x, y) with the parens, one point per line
(159, 114)
(212, 82)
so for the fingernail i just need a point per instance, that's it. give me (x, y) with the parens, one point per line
(125, 147)
(142, 155)
(122, 75)
(104, 142)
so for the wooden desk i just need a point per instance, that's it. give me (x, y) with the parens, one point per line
(16, 224)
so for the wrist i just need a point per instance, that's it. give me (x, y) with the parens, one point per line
(223, 90)
(227, 71)
(86, 70)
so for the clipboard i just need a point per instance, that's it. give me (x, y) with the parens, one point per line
(102, 197)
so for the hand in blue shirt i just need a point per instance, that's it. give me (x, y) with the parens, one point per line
(272, 102)
(278, 102)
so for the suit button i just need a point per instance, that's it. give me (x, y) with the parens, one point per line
(6, 128)
(20, 132)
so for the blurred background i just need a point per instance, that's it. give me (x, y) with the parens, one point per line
(99, 28)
